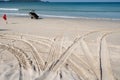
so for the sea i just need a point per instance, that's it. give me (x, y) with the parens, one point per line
(95, 10)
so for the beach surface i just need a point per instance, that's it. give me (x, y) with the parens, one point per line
(59, 49)
(51, 27)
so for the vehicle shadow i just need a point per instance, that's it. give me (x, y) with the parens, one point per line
(4, 29)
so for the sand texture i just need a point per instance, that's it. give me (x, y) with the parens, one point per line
(59, 49)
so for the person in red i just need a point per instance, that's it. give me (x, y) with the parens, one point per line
(5, 17)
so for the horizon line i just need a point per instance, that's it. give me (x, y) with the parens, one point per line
(61, 1)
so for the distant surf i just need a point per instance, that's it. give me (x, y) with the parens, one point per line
(9, 9)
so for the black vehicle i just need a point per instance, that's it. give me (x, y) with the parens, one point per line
(33, 15)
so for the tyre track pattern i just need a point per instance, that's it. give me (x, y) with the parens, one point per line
(59, 56)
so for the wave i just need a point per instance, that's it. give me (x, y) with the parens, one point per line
(58, 10)
(9, 9)
(71, 10)
(15, 14)
(55, 16)
(76, 17)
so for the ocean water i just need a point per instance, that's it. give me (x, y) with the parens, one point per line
(108, 10)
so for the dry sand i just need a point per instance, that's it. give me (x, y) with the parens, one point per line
(59, 49)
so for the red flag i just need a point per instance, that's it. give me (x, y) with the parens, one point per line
(5, 17)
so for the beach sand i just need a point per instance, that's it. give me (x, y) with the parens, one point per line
(59, 49)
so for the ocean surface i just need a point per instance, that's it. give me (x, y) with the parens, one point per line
(107, 10)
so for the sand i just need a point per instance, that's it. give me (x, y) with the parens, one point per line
(59, 49)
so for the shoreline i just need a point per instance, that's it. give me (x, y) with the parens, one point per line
(66, 17)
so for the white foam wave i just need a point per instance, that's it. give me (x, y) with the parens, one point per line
(10, 9)
(75, 17)
(15, 14)
(55, 16)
